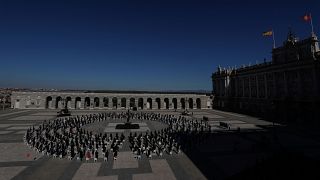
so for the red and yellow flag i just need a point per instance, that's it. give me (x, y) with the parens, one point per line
(267, 33)
(307, 17)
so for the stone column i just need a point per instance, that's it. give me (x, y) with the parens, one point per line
(118, 102)
(162, 103)
(178, 103)
(91, 102)
(145, 103)
(73, 103)
(171, 106)
(54, 100)
(204, 103)
(187, 102)
(154, 104)
(110, 103)
(136, 100)
(82, 103)
(101, 105)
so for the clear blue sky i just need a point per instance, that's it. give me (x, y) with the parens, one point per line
(139, 45)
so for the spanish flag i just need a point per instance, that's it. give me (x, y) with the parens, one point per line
(267, 33)
(307, 17)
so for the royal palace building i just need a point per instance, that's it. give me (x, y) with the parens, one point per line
(109, 100)
(286, 88)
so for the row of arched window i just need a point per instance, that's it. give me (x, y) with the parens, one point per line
(116, 103)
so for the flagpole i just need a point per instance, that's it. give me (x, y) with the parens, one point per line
(311, 24)
(274, 42)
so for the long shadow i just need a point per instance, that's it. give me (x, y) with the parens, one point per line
(267, 158)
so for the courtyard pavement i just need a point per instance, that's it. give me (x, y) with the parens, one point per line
(225, 152)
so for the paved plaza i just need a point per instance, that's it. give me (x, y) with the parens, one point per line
(227, 151)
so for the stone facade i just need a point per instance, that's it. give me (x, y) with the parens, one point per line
(287, 88)
(109, 100)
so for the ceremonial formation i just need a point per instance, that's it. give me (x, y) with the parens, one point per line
(66, 138)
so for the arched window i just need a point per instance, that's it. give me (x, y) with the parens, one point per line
(115, 102)
(105, 102)
(132, 103)
(158, 101)
(166, 102)
(198, 101)
(140, 103)
(149, 103)
(96, 101)
(183, 103)
(175, 103)
(190, 103)
(78, 103)
(87, 102)
(49, 102)
(123, 102)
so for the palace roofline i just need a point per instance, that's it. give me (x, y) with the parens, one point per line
(292, 43)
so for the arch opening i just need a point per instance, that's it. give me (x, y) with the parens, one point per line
(140, 103)
(105, 102)
(58, 102)
(49, 102)
(87, 102)
(96, 102)
(190, 103)
(158, 101)
(77, 103)
(149, 103)
(132, 103)
(123, 102)
(68, 102)
(183, 103)
(198, 102)
(115, 102)
(175, 103)
(166, 103)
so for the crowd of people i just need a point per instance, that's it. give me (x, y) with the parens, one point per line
(66, 137)
(169, 140)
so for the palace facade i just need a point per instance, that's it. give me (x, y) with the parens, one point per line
(109, 100)
(285, 89)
